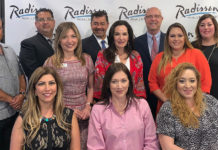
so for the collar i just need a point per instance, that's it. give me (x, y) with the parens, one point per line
(156, 35)
(99, 40)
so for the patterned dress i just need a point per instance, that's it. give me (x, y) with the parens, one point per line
(203, 138)
(75, 80)
(50, 136)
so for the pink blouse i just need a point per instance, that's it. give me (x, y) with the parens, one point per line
(134, 130)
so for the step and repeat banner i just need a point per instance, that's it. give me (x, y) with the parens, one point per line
(20, 21)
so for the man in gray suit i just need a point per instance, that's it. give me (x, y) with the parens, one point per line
(98, 40)
(35, 50)
(143, 44)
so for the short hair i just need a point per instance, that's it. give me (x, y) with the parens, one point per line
(99, 13)
(197, 32)
(167, 56)
(109, 53)
(61, 31)
(106, 92)
(43, 10)
(179, 107)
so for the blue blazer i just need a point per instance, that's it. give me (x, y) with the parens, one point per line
(141, 45)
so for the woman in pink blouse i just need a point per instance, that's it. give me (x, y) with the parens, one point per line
(121, 121)
(120, 49)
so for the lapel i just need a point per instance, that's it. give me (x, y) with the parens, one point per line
(95, 42)
(42, 39)
(147, 54)
(162, 38)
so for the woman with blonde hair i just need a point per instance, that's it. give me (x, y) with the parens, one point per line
(44, 123)
(207, 40)
(177, 49)
(76, 70)
(189, 119)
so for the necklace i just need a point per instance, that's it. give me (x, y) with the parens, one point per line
(47, 119)
(208, 59)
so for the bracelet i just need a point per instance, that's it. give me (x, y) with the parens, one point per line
(88, 103)
(22, 93)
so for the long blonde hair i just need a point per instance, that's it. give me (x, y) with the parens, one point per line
(167, 54)
(31, 108)
(61, 31)
(179, 107)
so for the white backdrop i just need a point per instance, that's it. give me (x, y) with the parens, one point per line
(19, 19)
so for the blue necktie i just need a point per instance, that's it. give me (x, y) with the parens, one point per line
(103, 46)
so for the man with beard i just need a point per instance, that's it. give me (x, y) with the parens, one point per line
(35, 50)
(98, 40)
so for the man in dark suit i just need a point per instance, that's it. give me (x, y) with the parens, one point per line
(143, 44)
(99, 24)
(35, 50)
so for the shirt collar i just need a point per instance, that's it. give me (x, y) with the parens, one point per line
(99, 40)
(157, 36)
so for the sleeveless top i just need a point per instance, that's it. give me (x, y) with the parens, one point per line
(50, 136)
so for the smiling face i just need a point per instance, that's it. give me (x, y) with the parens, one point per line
(69, 42)
(45, 23)
(153, 20)
(121, 36)
(46, 89)
(119, 85)
(207, 28)
(99, 26)
(187, 84)
(176, 39)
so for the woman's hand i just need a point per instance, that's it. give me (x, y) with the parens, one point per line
(83, 114)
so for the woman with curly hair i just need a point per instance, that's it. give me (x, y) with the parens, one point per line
(44, 122)
(177, 49)
(189, 119)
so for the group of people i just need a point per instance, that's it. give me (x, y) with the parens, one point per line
(67, 74)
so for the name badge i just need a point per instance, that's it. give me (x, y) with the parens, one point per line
(64, 64)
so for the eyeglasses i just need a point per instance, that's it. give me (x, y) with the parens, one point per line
(153, 16)
(45, 19)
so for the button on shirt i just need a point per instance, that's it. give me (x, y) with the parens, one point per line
(133, 130)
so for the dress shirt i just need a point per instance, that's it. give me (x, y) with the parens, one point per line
(150, 41)
(99, 41)
(133, 130)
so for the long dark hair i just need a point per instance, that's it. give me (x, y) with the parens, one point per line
(198, 41)
(106, 92)
(109, 53)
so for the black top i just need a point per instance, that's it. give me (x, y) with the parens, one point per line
(211, 53)
(50, 136)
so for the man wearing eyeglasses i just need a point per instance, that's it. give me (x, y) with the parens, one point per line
(149, 45)
(35, 50)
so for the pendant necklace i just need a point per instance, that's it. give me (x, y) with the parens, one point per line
(208, 59)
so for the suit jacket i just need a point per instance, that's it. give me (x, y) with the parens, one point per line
(34, 51)
(141, 45)
(90, 46)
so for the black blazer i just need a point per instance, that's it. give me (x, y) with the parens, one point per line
(90, 46)
(141, 45)
(34, 51)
